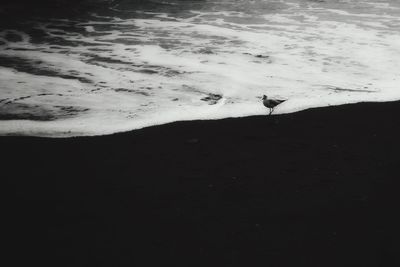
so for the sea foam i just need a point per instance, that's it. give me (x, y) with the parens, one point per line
(129, 69)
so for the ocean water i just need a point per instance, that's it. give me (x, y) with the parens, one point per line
(130, 64)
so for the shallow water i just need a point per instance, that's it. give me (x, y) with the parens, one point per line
(125, 66)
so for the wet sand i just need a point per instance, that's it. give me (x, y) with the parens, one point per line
(313, 188)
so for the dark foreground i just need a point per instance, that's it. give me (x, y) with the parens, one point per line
(315, 188)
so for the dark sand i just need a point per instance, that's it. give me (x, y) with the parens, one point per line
(314, 188)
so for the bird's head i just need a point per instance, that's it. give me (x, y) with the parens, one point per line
(264, 97)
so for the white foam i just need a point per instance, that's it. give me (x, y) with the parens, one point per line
(123, 74)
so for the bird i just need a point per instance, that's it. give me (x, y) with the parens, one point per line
(271, 103)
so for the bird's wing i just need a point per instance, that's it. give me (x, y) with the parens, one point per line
(277, 101)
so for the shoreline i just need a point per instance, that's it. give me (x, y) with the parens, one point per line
(313, 188)
(57, 133)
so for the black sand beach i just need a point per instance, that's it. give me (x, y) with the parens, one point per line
(314, 188)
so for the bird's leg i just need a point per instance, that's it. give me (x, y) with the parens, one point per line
(270, 111)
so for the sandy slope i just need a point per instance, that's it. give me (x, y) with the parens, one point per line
(314, 188)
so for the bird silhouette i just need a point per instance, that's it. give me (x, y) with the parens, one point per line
(271, 103)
